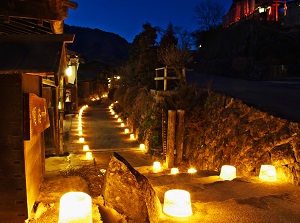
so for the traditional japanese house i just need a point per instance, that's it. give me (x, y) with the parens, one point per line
(32, 67)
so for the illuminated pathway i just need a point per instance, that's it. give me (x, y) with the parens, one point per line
(103, 134)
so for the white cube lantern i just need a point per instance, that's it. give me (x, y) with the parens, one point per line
(228, 172)
(89, 155)
(132, 137)
(142, 146)
(126, 131)
(86, 148)
(267, 173)
(177, 203)
(192, 170)
(119, 120)
(81, 140)
(174, 171)
(156, 166)
(79, 128)
(80, 133)
(122, 124)
(75, 207)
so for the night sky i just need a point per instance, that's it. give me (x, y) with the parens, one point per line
(126, 17)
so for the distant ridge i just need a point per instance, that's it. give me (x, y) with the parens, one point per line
(97, 44)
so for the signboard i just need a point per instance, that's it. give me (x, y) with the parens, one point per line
(36, 118)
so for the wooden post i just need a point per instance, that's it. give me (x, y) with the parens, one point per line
(179, 136)
(165, 78)
(171, 138)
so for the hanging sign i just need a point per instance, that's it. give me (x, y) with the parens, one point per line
(36, 118)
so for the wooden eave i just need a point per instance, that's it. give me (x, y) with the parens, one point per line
(42, 55)
(55, 10)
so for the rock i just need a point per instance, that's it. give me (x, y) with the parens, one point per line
(129, 192)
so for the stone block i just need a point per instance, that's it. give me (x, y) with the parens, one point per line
(129, 192)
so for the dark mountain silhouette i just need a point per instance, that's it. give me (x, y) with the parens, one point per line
(95, 44)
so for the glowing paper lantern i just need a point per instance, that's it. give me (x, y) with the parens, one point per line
(86, 148)
(228, 172)
(119, 120)
(177, 203)
(75, 207)
(112, 113)
(116, 116)
(89, 155)
(81, 140)
(122, 125)
(126, 131)
(192, 170)
(79, 128)
(132, 137)
(142, 146)
(156, 167)
(80, 133)
(267, 172)
(174, 171)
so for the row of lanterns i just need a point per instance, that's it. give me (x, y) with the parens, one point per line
(228, 172)
(86, 149)
(177, 202)
(122, 124)
(77, 206)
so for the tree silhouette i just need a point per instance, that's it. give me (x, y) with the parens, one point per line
(209, 14)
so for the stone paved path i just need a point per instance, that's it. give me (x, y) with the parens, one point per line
(103, 134)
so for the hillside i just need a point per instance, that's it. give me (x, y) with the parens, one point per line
(97, 44)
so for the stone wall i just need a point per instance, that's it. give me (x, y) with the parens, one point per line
(225, 130)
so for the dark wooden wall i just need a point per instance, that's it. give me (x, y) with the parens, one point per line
(22, 162)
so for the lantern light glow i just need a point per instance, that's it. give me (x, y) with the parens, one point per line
(192, 170)
(174, 171)
(177, 203)
(142, 146)
(86, 148)
(267, 173)
(81, 140)
(89, 155)
(228, 172)
(75, 207)
(132, 137)
(122, 124)
(156, 166)
(126, 131)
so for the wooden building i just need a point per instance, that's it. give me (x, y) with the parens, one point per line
(33, 61)
(264, 10)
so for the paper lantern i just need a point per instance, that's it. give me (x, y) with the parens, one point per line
(116, 116)
(89, 155)
(86, 148)
(192, 170)
(81, 140)
(126, 131)
(174, 171)
(132, 137)
(122, 124)
(112, 113)
(79, 128)
(75, 207)
(156, 166)
(267, 172)
(177, 203)
(80, 133)
(142, 146)
(119, 120)
(228, 172)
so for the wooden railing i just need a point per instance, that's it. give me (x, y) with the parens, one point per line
(165, 77)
